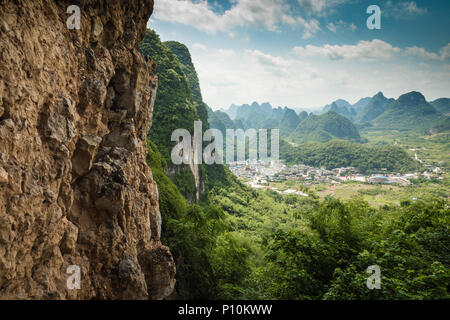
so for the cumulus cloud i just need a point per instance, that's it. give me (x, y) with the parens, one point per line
(268, 59)
(266, 14)
(443, 54)
(421, 52)
(369, 51)
(260, 13)
(363, 50)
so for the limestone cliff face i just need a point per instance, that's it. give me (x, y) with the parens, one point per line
(75, 109)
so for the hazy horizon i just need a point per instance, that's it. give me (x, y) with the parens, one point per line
(316, 108)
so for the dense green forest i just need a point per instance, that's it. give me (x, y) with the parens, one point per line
(340, 153)
(325, 127)
(410, 111)
(321, 250)
(242, 243)
(184, 57)
(374, 108)
(442, 105)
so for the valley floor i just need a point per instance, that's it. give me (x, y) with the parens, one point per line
(376, 195)
(433, 151)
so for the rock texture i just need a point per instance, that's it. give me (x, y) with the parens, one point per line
(75, 109)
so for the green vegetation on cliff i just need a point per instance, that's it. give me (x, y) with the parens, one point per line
(197, 234)
(184, 57)
(190, 231)
(174, 105)
(178, 104)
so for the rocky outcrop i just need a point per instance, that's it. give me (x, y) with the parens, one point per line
(75, 189)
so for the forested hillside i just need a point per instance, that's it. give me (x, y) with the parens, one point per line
(325, 127)
(221, 121)
(442, 105)
(339, 153)
(374, 108)
(358, 106)
(290, 122)
(409, 111)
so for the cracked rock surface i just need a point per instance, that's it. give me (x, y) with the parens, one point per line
(75, 189)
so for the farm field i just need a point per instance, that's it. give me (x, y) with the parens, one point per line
(432, 149)
(375, 194)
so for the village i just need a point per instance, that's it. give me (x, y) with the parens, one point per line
(259, 174)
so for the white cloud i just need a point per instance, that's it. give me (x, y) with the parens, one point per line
(411, 8)
(277, 66)
(363, 50)
(310, 27)
(260, 13)
(318, 6)
(339, 25)
(239, 36)
(422, 53)
(403, 9)
(266, 14)
(368, 51)
(199, 46)
(312, 5)
(239, 77)
(332, 27)
(443, 54)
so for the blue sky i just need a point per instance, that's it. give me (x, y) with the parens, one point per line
(307, 53)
